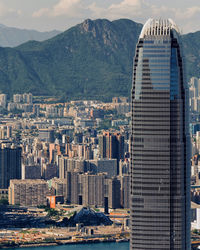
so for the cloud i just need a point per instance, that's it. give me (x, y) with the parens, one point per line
(188, 19)
(126, 8)
(137, 10)
(67, 7)
(190, 12)
(5, 11)
(41, 12)
(71, 8)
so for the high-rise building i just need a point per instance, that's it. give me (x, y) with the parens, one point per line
(10, 164)
(194, 94)
(108, 166)
(125, 190)
(36, 109)
(3, 100)
(28, 192)
(27, 98)
(49, 171)
(5, 132)
(59, 186)
(112, 191)
(160, 160)
(31, 172)
(92, 189)
(111, 145)
(17, 98)
(72, 188)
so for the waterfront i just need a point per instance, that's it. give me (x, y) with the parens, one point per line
(96, 246)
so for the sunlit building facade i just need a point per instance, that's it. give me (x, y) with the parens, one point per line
(160, 158)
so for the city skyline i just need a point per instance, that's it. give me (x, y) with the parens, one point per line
(160, 160)
(62, 14)
(76, 140)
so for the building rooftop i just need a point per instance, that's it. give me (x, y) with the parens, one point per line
(28, 181)
(158, 27)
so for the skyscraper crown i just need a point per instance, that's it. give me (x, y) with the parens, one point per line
(159, 27)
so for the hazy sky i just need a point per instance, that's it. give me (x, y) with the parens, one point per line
(46, 15)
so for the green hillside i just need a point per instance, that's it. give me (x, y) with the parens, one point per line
(90, 60)
(191, 45)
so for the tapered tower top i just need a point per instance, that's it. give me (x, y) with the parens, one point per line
(159, 27)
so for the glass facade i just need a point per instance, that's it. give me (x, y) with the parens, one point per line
(160, 193)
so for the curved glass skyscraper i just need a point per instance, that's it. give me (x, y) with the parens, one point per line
(160, 160)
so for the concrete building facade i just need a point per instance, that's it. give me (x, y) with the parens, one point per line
(28, 192)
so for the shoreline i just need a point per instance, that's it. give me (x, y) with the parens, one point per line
(64, 242)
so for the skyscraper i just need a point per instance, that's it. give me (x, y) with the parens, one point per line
(160, 193)
(10, 164)
(111, 145)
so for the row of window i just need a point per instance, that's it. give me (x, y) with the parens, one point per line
(167, 50)
(155, 47)
(155, 42)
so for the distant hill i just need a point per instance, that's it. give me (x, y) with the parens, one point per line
(11, 37)
(191, 45)
(91, 60)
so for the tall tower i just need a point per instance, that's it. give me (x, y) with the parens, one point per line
(111, 145)
(10, 164)
(160, 170)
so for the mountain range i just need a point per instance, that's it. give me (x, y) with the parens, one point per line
(90, 60)
(12, 37)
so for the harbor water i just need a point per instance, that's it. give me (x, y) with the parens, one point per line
(93, 246)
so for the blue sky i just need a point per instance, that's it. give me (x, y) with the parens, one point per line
(46, 15)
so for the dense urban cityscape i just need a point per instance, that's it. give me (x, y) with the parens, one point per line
(88, 155)
(73, 153)
(62, 154)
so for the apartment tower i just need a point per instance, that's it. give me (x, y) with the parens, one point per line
(160, 170)
(10, 164)
(111, 145)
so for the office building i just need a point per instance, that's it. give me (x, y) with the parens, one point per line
(31, 171)
(111, 146)
(10, 164)
(160, 160)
